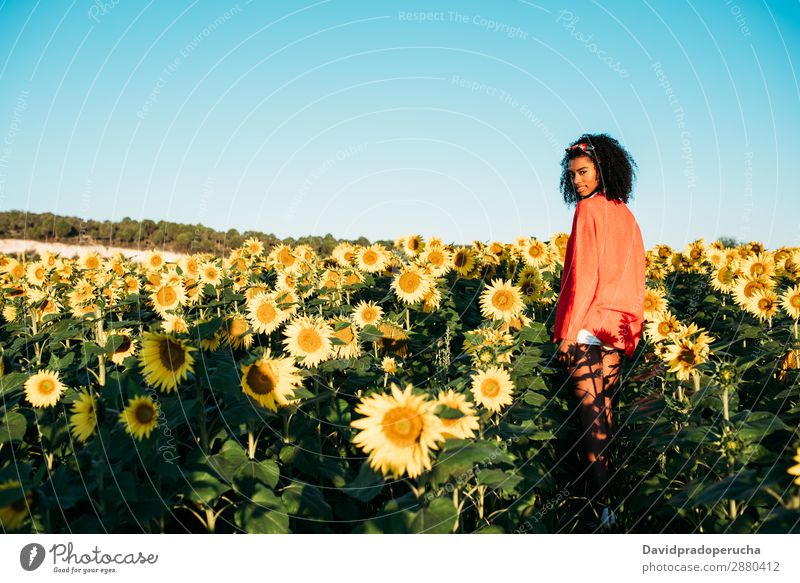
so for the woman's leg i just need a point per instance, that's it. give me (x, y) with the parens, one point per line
(588, 387)
(612, 365)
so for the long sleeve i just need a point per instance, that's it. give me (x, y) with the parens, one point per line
(580, 277)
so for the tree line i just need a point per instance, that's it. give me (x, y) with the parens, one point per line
(146, 234)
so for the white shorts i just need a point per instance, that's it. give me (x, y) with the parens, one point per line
(586, 337)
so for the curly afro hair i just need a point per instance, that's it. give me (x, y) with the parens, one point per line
(614, 164)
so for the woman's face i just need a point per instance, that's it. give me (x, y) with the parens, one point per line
(584, 176)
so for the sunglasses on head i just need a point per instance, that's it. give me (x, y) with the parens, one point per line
(588, 148)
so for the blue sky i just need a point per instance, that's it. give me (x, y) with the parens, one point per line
(386, 118)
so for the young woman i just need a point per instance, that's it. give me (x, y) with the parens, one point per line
(600, 306)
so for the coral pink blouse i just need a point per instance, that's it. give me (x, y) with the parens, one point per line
(603, 282)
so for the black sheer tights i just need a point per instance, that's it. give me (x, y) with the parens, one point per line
(594, 374)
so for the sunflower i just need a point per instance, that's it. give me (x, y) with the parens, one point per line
(126, 348)
(492, 388)
(411, 284)
(795, 470)
(661, 326)
(464, 261)
(501, 301)
(367, 314)
(463, 427)
(174, 324)
(166, 361)
(253, 246)
(140, 417)
(722, 278)
(14, 515)
(389, 365)
(534, 253)
(271, 381)
(83, 420)
(44, 389)
(745, 288)
(654, 302)
(398, 431)
(236, 331)
(412, 245)
(36, 273)
(90, 261)
(210, 273)
(684, 355)
(763, 304)
(264, 314)
(790, 301)
(394, 339)
(153, 261)
(309, 339)
(282, 257)
(167, 296)
(437, 259)
(759, 265)
(371, 259)
(431, 300)
(344, 330)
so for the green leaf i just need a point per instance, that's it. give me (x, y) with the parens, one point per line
(229, 459)
(535, 333)
(113, 343)
(203, 486)
(11, 384)
(265, 471)
(369, 333)
(445, 412)
(437, 518)
(13, 427)
(263, 513)
(366, 485)
(307, 501)
(495, 478)
(458, 456)
(757, 425)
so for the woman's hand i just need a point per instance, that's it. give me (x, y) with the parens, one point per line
(565, 354)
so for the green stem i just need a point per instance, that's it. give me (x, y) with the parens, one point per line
(202, 415)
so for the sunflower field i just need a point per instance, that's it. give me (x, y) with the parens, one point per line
(410, 389)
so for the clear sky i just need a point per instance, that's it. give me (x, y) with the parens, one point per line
(386, 118)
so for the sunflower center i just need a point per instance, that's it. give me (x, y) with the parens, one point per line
(124, 346)
(345, 335)
(648, 304)
(664, 328)
(460, 260)
(144, 413)
(409, 282)
(402, 426)
(265, 313)
(502, 300)
(237, 327)
(413, 244)
(490, 388)
(534, 251)
(757, 269)
(370, 314)
(46, 386)
(166, 296)
(261, 378)
(436, 258)
(370, 257)
(794, 301)
(765, 304)
(687, 356)
(172, 354)
(309, 340)
(751, 288)
(286, 257)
